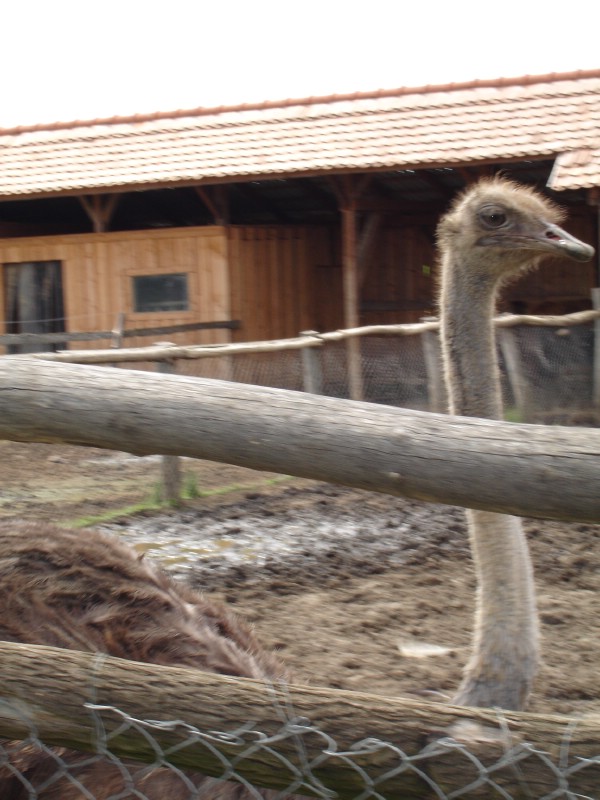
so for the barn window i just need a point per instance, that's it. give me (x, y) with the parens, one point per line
(167, 292)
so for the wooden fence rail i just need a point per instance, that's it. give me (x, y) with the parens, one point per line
(311, 733)
(313, 380)
(166, 355)
(307, 339)
(12, 339)
(531, 470)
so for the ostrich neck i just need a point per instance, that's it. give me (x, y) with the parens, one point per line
(505, 646)
(468, 341)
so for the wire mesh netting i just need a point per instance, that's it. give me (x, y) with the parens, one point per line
(554, 384)
(546, 372)
(295, 757)
(393, 370)
(549, 365)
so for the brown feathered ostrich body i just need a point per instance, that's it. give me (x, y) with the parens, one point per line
(495, 231)
(86, 591)
(83, 590)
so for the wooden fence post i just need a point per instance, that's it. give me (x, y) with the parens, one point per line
(514, 370)
(596, 374)
(312, 367)
(117, 331)
(436, 388)
(116, 340)
(171, 465)
(351, 302)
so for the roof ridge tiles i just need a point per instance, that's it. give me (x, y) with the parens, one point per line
(526, 80)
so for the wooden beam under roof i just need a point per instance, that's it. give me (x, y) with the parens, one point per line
(257, 199)
(99, 208)
(216, 200)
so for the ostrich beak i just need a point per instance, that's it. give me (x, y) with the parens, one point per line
(562, 243)
(549, 238)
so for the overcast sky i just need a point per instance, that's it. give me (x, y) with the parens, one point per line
(66, 60)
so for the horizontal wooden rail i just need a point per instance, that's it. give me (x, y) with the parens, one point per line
(432, 324)
(308, 339)
(531, 470)
(46, 692)
(168, 352)
(90, 336)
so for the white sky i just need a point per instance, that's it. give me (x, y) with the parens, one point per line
(80, 59)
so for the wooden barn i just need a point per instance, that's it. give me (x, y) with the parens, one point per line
(285, 216)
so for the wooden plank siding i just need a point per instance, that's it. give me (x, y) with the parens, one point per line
(98, 270)
(272, 279)
(399, 280)
(286, 279)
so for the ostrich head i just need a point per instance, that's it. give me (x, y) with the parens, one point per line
(500, 228)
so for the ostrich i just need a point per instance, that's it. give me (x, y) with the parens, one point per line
(492, 233)
(89, 592)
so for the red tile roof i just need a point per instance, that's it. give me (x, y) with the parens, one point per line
(576, 169)
(457, 124)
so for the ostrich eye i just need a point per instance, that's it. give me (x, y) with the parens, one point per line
(493, 216)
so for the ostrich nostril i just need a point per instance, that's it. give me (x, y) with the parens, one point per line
(551, 235)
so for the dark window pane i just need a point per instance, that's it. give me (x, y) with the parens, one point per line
(33, 302)
(160, 292)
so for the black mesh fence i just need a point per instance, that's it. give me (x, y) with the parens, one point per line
(547, 372)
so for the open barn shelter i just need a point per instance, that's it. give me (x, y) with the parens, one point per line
(310, 214)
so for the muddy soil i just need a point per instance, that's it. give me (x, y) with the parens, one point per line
(356, 590)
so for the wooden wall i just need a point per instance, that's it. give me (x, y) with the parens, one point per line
(98, 270)
(286, 279)
(263, 276)
(274, 289)
(399, 278)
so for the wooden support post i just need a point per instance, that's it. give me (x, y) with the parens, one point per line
(366, 245)
(351, 294)
(518, 382)
(171, 465)
(596, 374)
(100, 209)
(312, 369)
(436, 387)
(593, 198)
(347, 190)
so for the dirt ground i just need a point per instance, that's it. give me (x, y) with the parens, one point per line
(389, 611)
